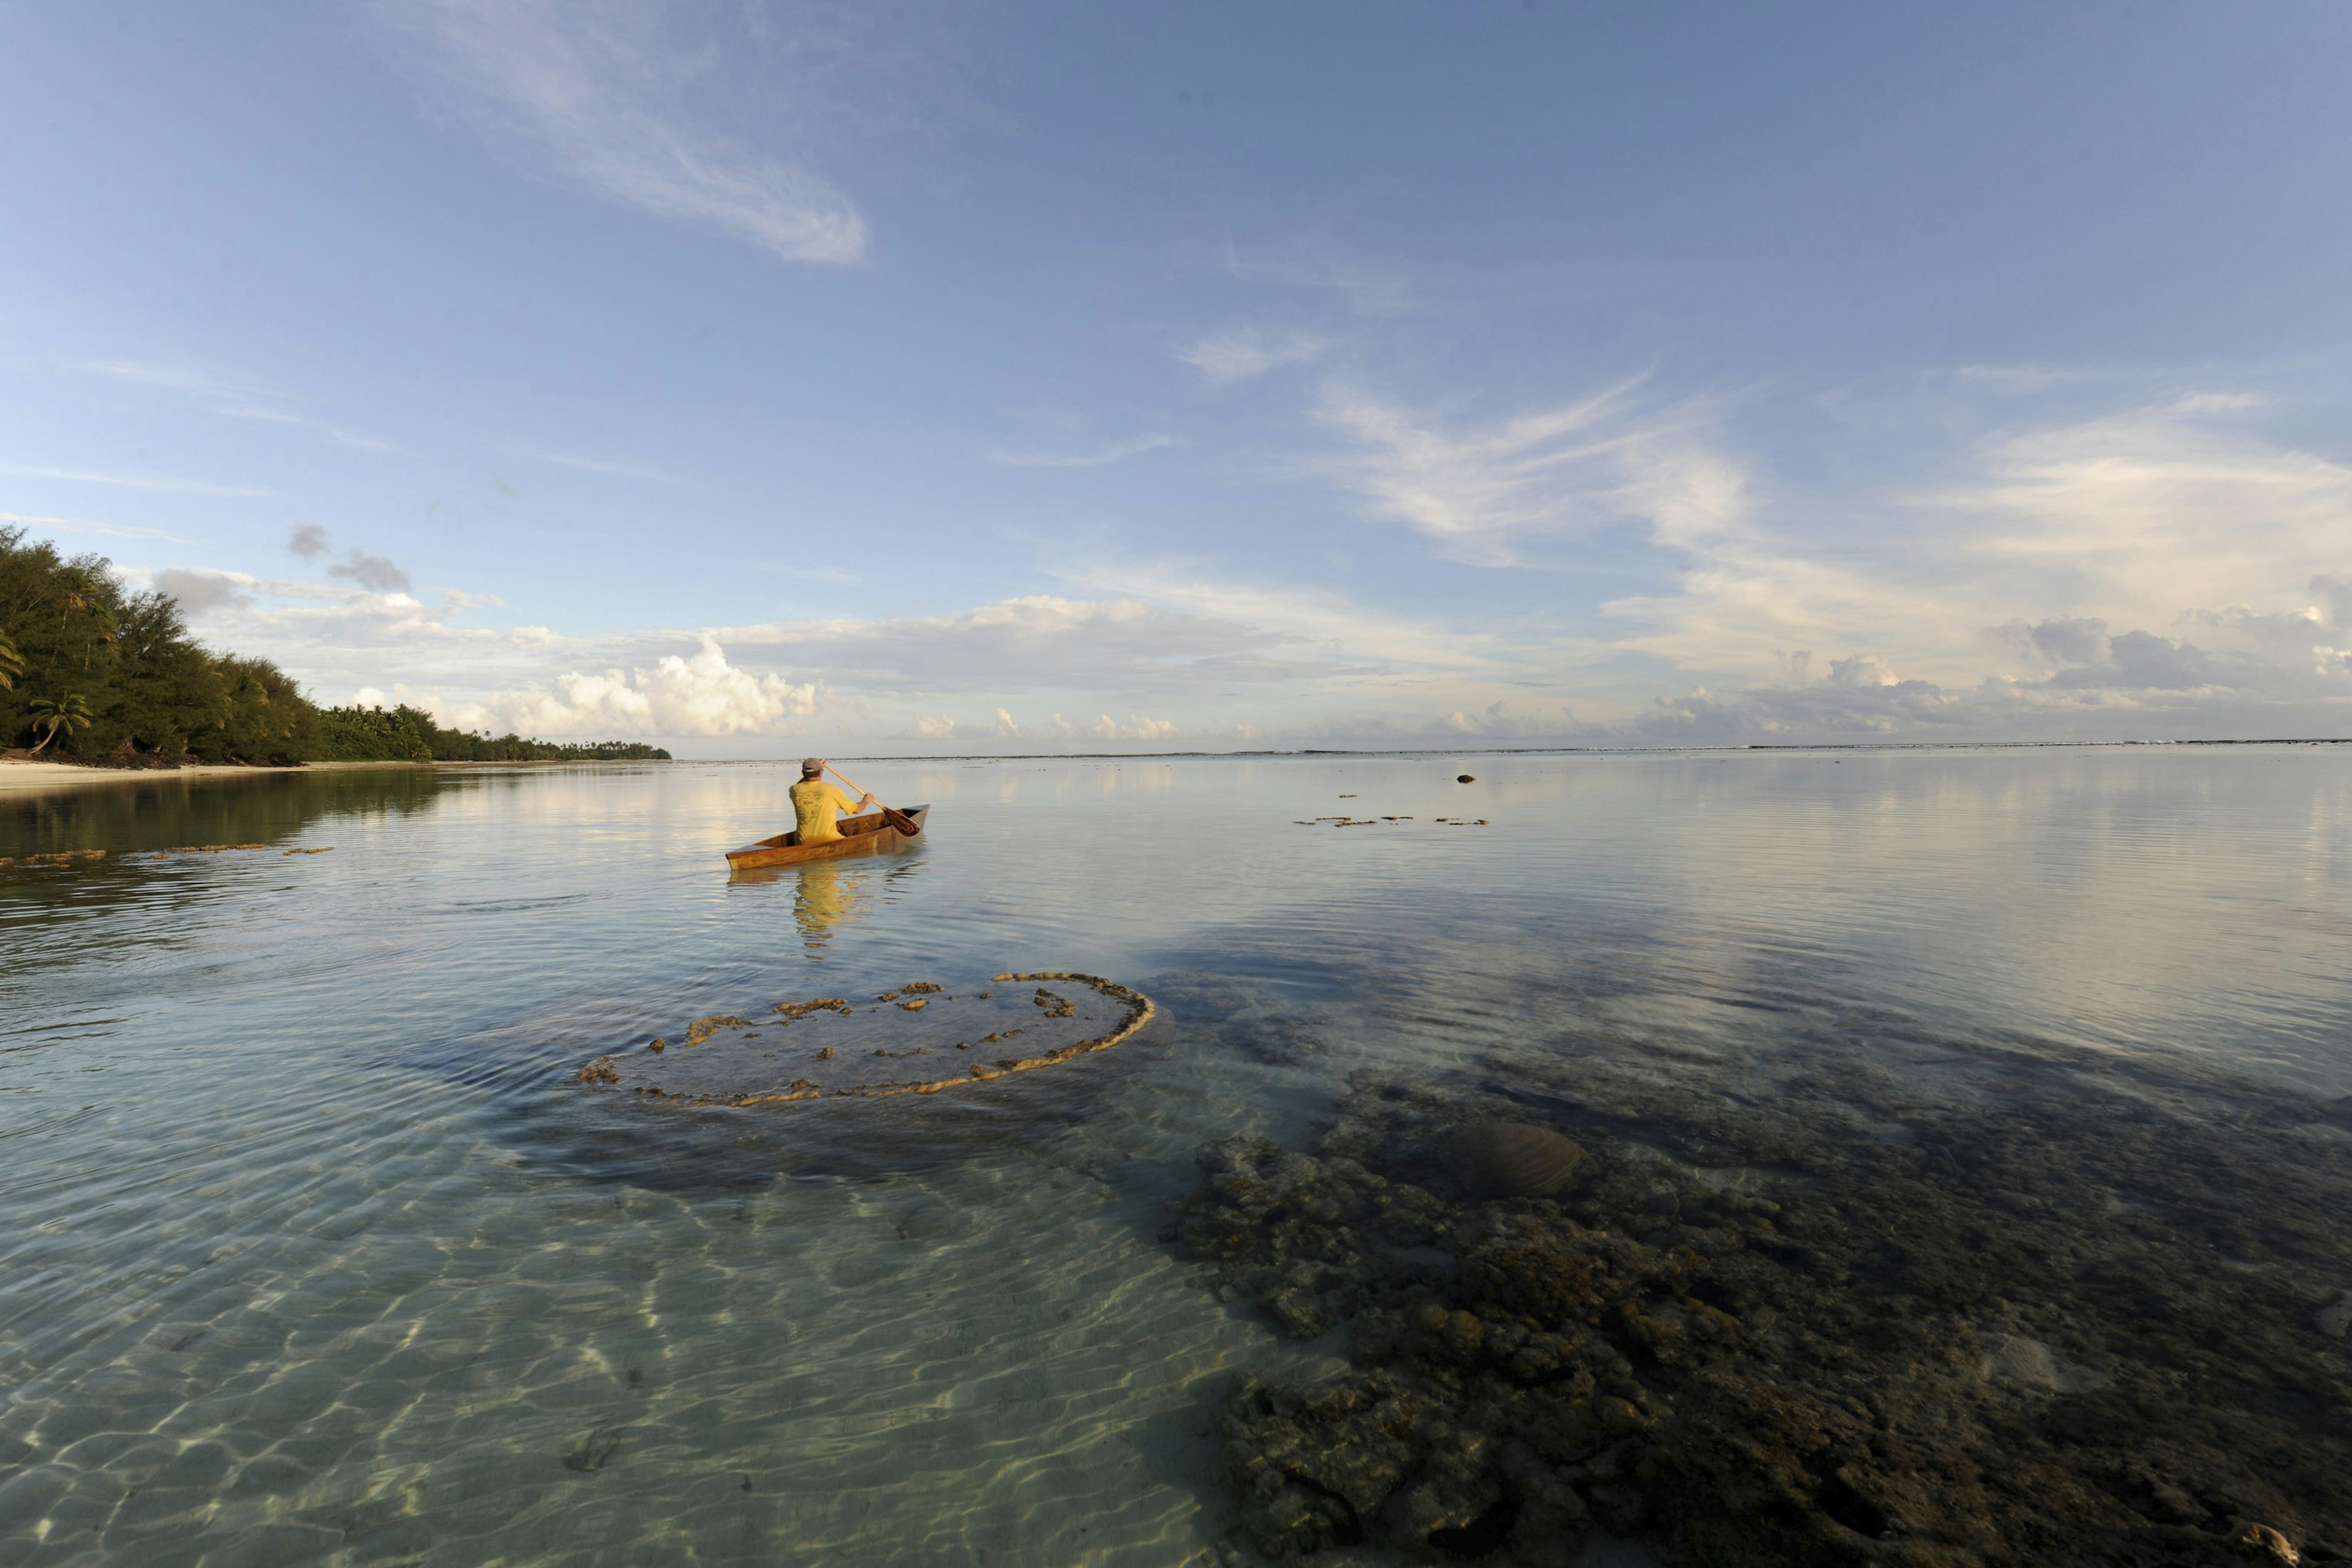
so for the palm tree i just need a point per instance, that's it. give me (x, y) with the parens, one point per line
(12, 663)
(68, 713)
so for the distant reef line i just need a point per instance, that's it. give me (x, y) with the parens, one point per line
(94, 674)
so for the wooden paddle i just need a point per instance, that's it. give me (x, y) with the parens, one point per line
(898, 819)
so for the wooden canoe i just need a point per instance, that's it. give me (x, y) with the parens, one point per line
(860, 835)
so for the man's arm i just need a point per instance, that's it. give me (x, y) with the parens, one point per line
(841, 798)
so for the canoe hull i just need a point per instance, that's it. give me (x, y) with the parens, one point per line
(860, 835)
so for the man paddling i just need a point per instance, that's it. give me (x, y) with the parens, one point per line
(815, 802)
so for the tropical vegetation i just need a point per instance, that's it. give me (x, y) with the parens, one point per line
(408, 735)
(98, 672)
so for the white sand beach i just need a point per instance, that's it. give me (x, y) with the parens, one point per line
(19, 776)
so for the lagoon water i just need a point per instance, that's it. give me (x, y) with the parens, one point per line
(316, 1248)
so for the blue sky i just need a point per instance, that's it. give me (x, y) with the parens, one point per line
(770, 376)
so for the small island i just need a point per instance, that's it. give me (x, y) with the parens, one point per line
(97, 674)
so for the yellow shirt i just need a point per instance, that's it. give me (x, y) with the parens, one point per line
(814, 802)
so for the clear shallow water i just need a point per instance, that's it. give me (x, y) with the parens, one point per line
(316, 1246)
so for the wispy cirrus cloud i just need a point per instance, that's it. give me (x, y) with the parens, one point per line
(2173, 516)
(1483, 491)
(1242, 352)
(1118, 451)
(174, 378)
(2164, 568)
(1329, 635)
(231, 401)
(599, 465)
(1114, 647)
(1368, 288)
(79, 525)
(835, 574)
(2152, 509)
(158, 482)
(597, 95)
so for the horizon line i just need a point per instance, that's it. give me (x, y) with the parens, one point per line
(1544, 751)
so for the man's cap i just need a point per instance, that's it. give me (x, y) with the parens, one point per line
(812, 765)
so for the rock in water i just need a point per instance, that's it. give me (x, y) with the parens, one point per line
(1524, 1161)
(2030, 1364)
(2261, 1543)
(1465, 778)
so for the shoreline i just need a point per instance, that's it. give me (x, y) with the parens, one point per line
(19, 775)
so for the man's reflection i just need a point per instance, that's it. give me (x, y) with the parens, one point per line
(825, 899)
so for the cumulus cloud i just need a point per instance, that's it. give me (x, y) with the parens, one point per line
(1137, 727)
(950, 672)
(1245, 352)
(599, 94)
(202, 592)
(701, 695)
(1499, 722)
(378, 573)
(2075, 679)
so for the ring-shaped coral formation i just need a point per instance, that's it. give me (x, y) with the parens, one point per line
(728, 1060)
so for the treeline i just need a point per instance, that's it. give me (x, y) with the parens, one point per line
(95, 672)
(409, 734)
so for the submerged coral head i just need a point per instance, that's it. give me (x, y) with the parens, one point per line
(1520, 1159)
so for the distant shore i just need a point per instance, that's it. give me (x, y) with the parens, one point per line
(20, 775)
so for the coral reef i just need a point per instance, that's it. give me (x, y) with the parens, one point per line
(57, 858)
(72, 857)
(2040, 1310)
(1277, 1029)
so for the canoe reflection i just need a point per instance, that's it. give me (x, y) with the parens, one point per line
(830, 896)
